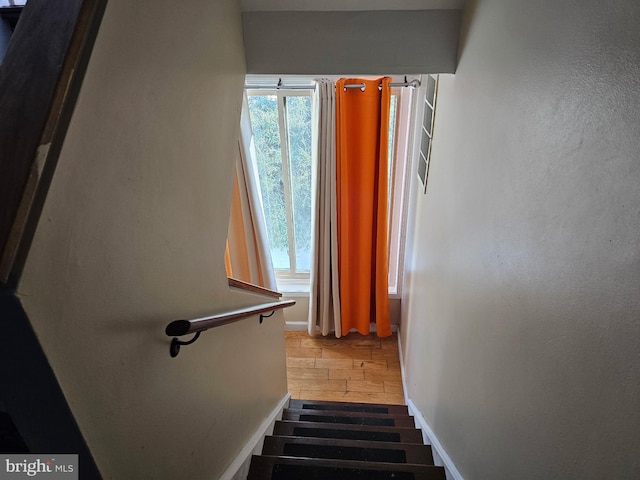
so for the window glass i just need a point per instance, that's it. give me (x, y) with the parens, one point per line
(298, 121)
(427, 117)
(391, 150)
(264, 123)
(427, 129)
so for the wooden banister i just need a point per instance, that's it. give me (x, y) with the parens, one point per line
(198, 325)
(250, 287)
(50, 47)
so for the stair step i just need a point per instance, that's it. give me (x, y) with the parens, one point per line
(345, 441)
(344, 431)
(348, 449)
(348, 407)
(353, 418)
(266, 467)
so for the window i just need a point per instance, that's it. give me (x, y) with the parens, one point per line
(428, 118)
(281, 123)
(399, 137)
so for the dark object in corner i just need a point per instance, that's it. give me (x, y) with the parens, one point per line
(30, 393)
(10, 439)
(10, 15)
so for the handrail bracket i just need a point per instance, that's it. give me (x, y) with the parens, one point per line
(177, 328)
(174, 349)
(263, 316)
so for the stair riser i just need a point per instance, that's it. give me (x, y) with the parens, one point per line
(348, 432)
(286, 468)
(344, 449)
(336, 417)
(342, 413)
(348, 407)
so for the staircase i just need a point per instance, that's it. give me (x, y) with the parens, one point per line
(343, 441)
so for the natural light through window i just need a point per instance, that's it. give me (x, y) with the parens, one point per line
(281, 124)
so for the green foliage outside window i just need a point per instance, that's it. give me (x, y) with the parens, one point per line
(299, 136)
(264, 121)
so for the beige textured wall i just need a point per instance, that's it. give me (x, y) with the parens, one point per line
(521, 334)
(132, 237)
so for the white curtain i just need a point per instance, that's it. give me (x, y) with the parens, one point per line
(324, 298)
(248, 257)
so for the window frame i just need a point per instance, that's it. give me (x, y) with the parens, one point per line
(427, 123)
(400, 185)
(287, 279)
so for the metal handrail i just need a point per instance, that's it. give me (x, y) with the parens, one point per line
(198, 325)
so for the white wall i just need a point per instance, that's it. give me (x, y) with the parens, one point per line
(522, 323)
(131, 237)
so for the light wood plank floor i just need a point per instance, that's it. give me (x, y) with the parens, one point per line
(355, 368)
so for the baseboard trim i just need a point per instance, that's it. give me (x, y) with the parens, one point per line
(402, 374)
(239, 468)
(440, 456)
(303, 326)
(296, 326)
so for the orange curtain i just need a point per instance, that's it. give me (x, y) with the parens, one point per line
(362, 136)
(247, 256)
(239, 262)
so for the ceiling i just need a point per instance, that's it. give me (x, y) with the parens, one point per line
(345, 5)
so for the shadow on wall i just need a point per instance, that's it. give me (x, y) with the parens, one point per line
(468, 16)
(26, 422)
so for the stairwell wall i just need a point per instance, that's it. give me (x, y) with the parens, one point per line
(520, 327)
(132, 236)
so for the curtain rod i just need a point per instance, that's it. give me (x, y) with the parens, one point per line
(413, 83)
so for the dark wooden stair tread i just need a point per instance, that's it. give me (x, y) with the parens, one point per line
(345, 431)
(348, 449)
(348, 406)
(317, 440)
(353, 418)
(266, 467)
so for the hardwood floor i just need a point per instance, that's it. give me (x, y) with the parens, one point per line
(355, 368)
